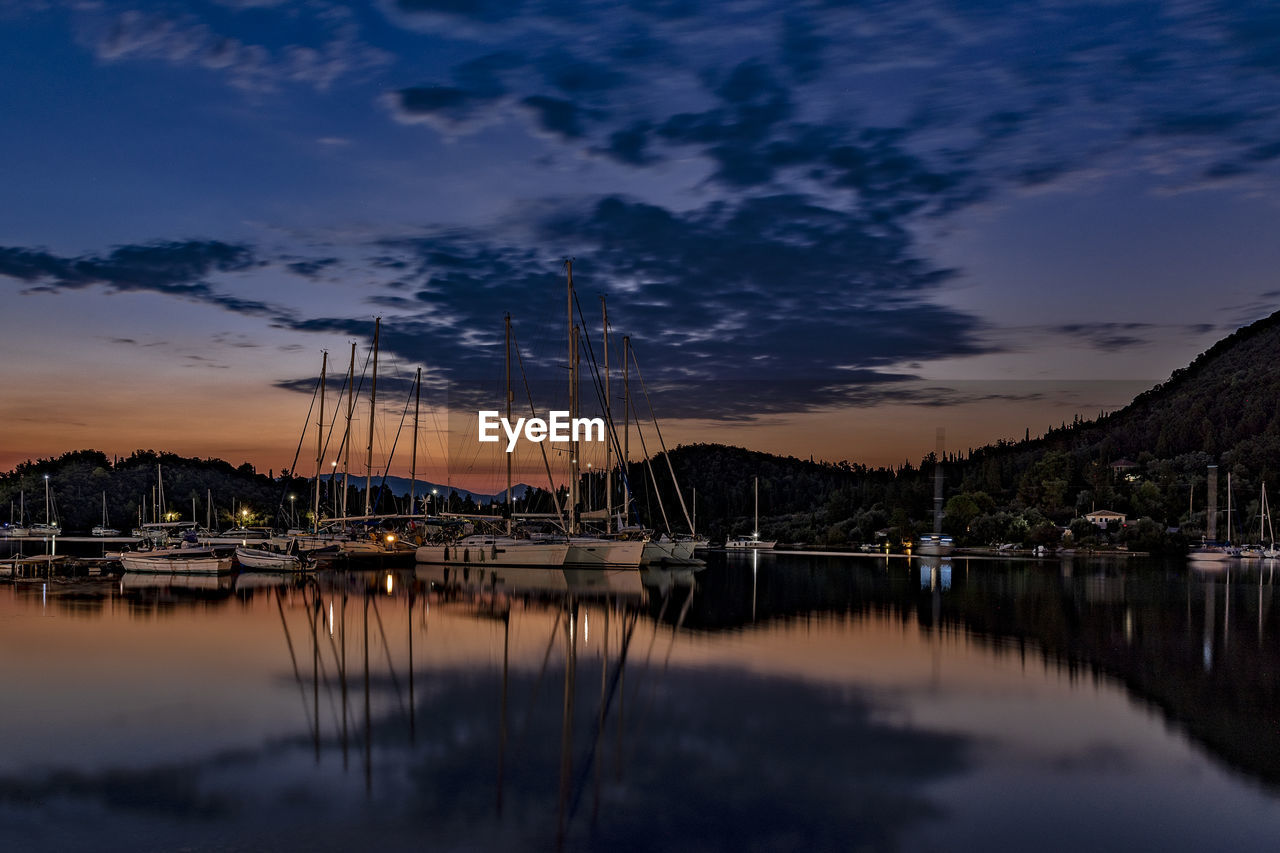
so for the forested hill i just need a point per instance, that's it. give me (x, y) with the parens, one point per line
(1225, 403)
(1224, 409)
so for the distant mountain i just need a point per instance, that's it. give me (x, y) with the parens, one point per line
(399, 487)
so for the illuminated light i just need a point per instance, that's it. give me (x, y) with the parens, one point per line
(391, 537)
(390, 583)
(330, 618)
(586, 627)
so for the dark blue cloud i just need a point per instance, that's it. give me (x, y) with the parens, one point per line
(172, 268)
(770, 304)
(557, 116)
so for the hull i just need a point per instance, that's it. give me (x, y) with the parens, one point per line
(253, 558)
(605, 553)
(14, 531)
(493, 551)
(750, 544)
(666, 551)
(104, 531)
(175, 564)
(1209, 555)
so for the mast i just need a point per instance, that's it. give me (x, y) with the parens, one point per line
(695, 513)
(413, 464)
(626, 425)
(1229, 530)
(47, 519)
(208, 510)
(573, 403)
(608, 419)
(159, 494)
(506, 324)
(373, 402)
(346, 438)
(324, 367)
(756, 534)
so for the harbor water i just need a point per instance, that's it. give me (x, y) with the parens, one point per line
(766, 702)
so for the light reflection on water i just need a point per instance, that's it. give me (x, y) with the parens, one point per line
(768, 701)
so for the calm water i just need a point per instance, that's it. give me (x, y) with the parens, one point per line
(769, 702)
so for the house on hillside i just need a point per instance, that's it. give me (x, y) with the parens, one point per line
(1124, 468)
(1103, 517)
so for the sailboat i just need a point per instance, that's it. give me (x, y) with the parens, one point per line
(50, 527)
(497, 549)
(102, 529)
(1211, 551)
(752, 542)
(16, 528)
(1269, 549)
(594, 552)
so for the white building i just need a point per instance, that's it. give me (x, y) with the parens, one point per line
(1103, 517)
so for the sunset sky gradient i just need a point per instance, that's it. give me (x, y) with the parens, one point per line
(829, 228)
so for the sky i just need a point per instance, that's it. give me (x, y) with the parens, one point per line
(828, 228)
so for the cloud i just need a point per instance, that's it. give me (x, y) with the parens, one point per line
(189, 42)
(311, 267)
(172, 268)
(770, 304)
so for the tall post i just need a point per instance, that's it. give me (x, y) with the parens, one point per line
(506, 324)
(346, 439)
(324, 367)
(1212, 517)
(608, 419)
(937, 487)
(573, 403)
(413, 464)
(373, 402)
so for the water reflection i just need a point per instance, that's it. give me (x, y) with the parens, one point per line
(769, 701)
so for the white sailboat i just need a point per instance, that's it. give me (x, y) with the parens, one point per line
(1269, 549)
(589, 551)
(102, 529)
(752, 542)
(50, 527)
(509, 549)
(17, 528)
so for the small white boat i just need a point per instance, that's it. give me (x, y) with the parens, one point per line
(45, 530)
(260, 558)
(190, 561)
(1210, 554)
(752, 542)
(102, 529)
(934, 546)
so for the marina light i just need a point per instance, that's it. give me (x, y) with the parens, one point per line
(391, 537)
